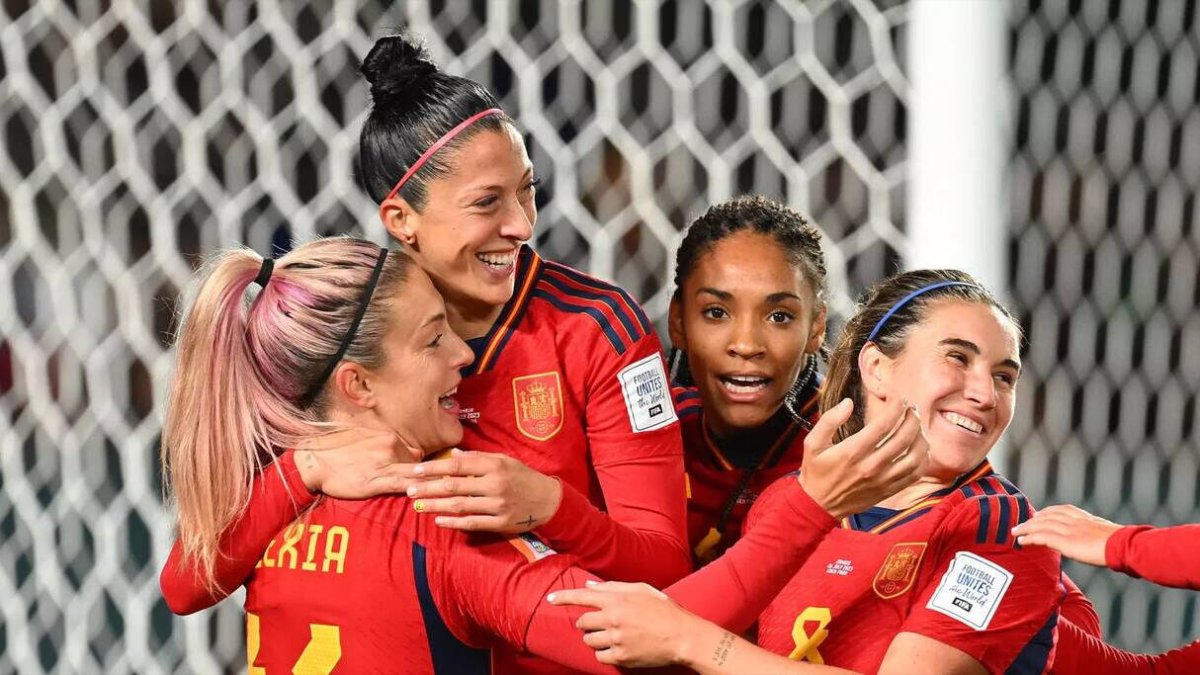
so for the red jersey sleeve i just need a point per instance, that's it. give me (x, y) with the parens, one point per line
(985, 596)
(637, 454)
(735, 588)
(1080, 611)
(1164, 556)
(1079, 653)
(277, 496)
(496, 593)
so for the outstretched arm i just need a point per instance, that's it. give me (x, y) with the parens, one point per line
(686, 639)
(1079, 653)
(1161, 555)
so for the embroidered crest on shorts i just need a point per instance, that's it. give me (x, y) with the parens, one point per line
(899, 569)
(537, 400)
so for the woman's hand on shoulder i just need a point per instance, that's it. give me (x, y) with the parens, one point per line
(485, 491)
(356, 463)
(1070, 530)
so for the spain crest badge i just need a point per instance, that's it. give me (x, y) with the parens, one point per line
(899, 569)
(537, 400)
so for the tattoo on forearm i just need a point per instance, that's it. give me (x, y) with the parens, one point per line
(723, 646)
(528, 521)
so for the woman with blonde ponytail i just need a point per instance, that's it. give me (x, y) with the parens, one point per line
(245, 365)
(345, 334)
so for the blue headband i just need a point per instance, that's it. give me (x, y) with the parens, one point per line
(905, 300)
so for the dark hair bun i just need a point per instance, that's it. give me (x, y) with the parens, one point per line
(397, 66)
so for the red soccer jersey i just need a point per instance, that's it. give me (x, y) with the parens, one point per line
(721, 489)
(947, 568)
(1164, 556)
(1080, 653)
(571, 381)
(372, 587)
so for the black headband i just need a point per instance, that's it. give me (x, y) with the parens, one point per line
(368, 291)
(264, 272)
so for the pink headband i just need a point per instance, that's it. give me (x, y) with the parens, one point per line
(446, 138)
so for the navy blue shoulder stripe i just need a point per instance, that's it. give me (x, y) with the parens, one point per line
(985, 518)
(1024, 512)
(1002, 529)
(688, 410)
(449, 654)
(601, 320)
(631, 306)
(631, 327)
(1008, 486)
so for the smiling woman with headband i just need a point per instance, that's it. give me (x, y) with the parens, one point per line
(928, 576)
(342, 333)
(566, 405)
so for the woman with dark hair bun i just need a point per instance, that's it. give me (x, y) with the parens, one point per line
(566, 404)
(343, 333)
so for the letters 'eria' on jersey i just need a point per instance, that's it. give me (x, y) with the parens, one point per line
(947, 568)
(375, 587)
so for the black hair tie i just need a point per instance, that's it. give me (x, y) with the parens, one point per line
(264, 272)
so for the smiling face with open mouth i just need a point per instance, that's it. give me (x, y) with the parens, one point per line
(473, 224)
(746, 316)
(959, 367)
(414, 388)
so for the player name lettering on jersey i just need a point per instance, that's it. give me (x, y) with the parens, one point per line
(308, 548)
(839, 567)
(971, 590)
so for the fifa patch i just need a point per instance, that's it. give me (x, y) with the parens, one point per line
(647, 396)
(538, 401)
(899, 570)
(971, 590)
(531, 547)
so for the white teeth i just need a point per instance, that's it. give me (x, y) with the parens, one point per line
(447, 402)
(743, 385)
(965, 423)
(497, 259)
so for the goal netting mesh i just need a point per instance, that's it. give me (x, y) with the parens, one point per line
(140, 136)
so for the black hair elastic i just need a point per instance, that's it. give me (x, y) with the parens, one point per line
(368, 291)
(264, 272)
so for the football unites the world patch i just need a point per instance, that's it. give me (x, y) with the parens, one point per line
(971, 590)
(538, 402)
(899, 569)
(647, 394)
